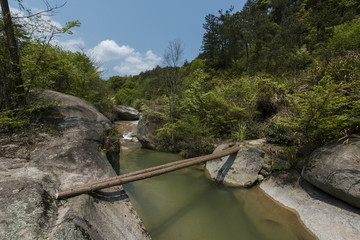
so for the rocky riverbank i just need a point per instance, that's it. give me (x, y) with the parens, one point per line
(330, 215)
(325, 195)
(70, 148)
(327, 217)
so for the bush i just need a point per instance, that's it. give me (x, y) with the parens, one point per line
(254, 129)
(186, 135)
(238, 134)
(279, 134)
(330, 107)
(249, 129)
(346, 37)
(220, 115)
(20, 118)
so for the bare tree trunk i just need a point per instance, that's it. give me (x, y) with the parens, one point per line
(247, 58)
(13, 86)
(142, 174)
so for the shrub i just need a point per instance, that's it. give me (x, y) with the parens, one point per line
(330, 107)
(346, 37)
(187, 135)
(239, 132)
(279, 134)
(20, 118)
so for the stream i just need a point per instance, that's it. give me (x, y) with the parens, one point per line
(186, 205)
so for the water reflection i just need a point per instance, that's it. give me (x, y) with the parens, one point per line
(186, 205)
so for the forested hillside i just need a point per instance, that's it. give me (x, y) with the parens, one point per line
(285, 70)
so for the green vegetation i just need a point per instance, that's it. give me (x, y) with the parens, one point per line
(44, 66)
(281, 69)
(329, 107)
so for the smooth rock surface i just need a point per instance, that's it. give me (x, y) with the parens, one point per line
(239, 169)
(146, 130)
(335, 169)
(126, 113)
(327, 217)
(30, 178)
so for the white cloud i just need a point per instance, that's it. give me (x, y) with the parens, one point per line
(47, 18)
(24, 17)
(108, 50)
(136, 63)
(122, 59)
(72, 44)
(37, 26)
(127, 60)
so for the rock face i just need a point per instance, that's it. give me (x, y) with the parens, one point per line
(335, 169)
(29, 179)
(146, 129)
(127, 113)
(327, 217)
(239, 169)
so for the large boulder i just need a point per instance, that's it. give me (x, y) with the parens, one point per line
(126, 113)
(239, 169)
(335, 169)
(146, 130)
(31, 175)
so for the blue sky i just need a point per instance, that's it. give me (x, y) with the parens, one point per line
(127, 37)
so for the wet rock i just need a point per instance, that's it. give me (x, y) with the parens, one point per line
(239, 169)
(126, 113)
(335, 169)
(72, 156)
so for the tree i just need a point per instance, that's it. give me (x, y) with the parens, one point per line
(173, 53)
(171, 76)
(211, 40)
(172, 58)
(13, 83)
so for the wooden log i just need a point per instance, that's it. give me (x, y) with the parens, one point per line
(212, 156)
(142, 174)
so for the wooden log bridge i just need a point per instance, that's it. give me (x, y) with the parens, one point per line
(141, 174)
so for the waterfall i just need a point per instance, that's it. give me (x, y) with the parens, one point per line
(127, 130)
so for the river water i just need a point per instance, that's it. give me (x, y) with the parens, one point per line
(186, 205)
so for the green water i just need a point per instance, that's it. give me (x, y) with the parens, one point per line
(186, 205)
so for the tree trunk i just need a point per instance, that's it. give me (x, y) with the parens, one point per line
(142, 174)
(14, 85)
(247, 58)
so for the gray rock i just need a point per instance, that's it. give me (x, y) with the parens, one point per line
(327, 217)
(146, 130)
(126, 113)
(335, 169)
(239, 169)
(73, 156)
